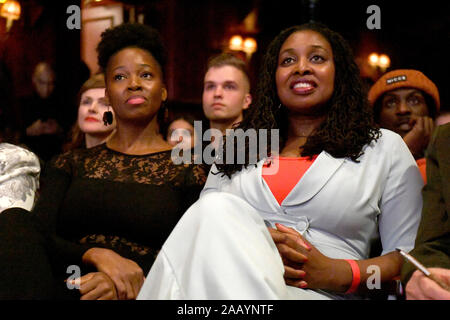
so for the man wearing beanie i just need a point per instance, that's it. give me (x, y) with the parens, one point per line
(406, 102)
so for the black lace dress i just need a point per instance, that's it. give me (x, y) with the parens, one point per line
(98, 197)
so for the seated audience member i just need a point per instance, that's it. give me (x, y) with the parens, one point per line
(226, 93)
(300, 223)
(406, 102)
(19, 168)
(181, 131)
(92, 127)
(104, 210)
(43, 115)
(432, 246)
(19, 177)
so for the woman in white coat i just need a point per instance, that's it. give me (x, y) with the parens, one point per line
(305, 230)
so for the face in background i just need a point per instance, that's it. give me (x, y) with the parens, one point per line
(225, 94)
(43, 80)
(134, 86)
(180, 128)
(90, 112)
(305, 72)
(400, 107)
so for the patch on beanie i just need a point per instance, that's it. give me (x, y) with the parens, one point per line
(395, 79)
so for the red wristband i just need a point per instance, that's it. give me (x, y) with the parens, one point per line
(356, 279)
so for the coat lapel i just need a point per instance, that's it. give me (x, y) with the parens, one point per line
(256, 191)
(314, 179)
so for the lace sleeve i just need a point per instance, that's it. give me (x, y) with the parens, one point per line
(62, 162)
(55, 180)
(197, 175)
(194, 181)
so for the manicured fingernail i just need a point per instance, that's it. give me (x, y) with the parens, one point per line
(303, 244)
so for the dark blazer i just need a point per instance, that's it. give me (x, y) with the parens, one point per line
(432, 246)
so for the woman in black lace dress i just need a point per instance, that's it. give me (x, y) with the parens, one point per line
(104, 212)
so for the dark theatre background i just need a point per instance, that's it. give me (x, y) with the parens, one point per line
(413, 35)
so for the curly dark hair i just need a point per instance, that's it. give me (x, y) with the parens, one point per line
(349, 123)
(131, 35)
(134, 35)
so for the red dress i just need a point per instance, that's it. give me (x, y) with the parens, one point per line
(290, 171)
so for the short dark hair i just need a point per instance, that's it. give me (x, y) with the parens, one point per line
(131, 35)
(228, 59)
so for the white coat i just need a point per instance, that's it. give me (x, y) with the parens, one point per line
(340, 206)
